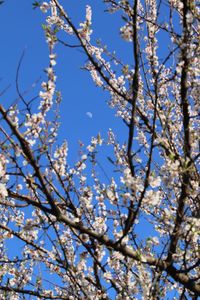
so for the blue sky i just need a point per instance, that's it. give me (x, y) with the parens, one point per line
(22, 31)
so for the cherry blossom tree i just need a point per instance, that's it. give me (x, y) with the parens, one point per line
(77, 232)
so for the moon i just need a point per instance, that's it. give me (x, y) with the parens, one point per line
(89, 114)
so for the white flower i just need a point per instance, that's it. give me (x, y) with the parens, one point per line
(31, 142)
(127, 32)
(3, 191)
(152, 198)
(84, 157)
(154, 181)
(155, 240)
(96, 78)
(44, 7)
(100, 225)
(19, 187)
(88, 14)
(108, 276)
(110, 194)
(189, 17)
(131, 182)
(1, 169)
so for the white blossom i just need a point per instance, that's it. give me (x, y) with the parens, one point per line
(3, 191)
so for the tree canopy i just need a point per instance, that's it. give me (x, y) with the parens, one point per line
(122, 222)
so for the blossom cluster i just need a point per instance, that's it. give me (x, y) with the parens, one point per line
(3, 178)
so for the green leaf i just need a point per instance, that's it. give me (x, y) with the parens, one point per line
(44, 26)
(36, 4)
(172, 156)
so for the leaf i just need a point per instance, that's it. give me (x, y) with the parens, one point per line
(172, 156)
(36, 4)
(44, 26)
